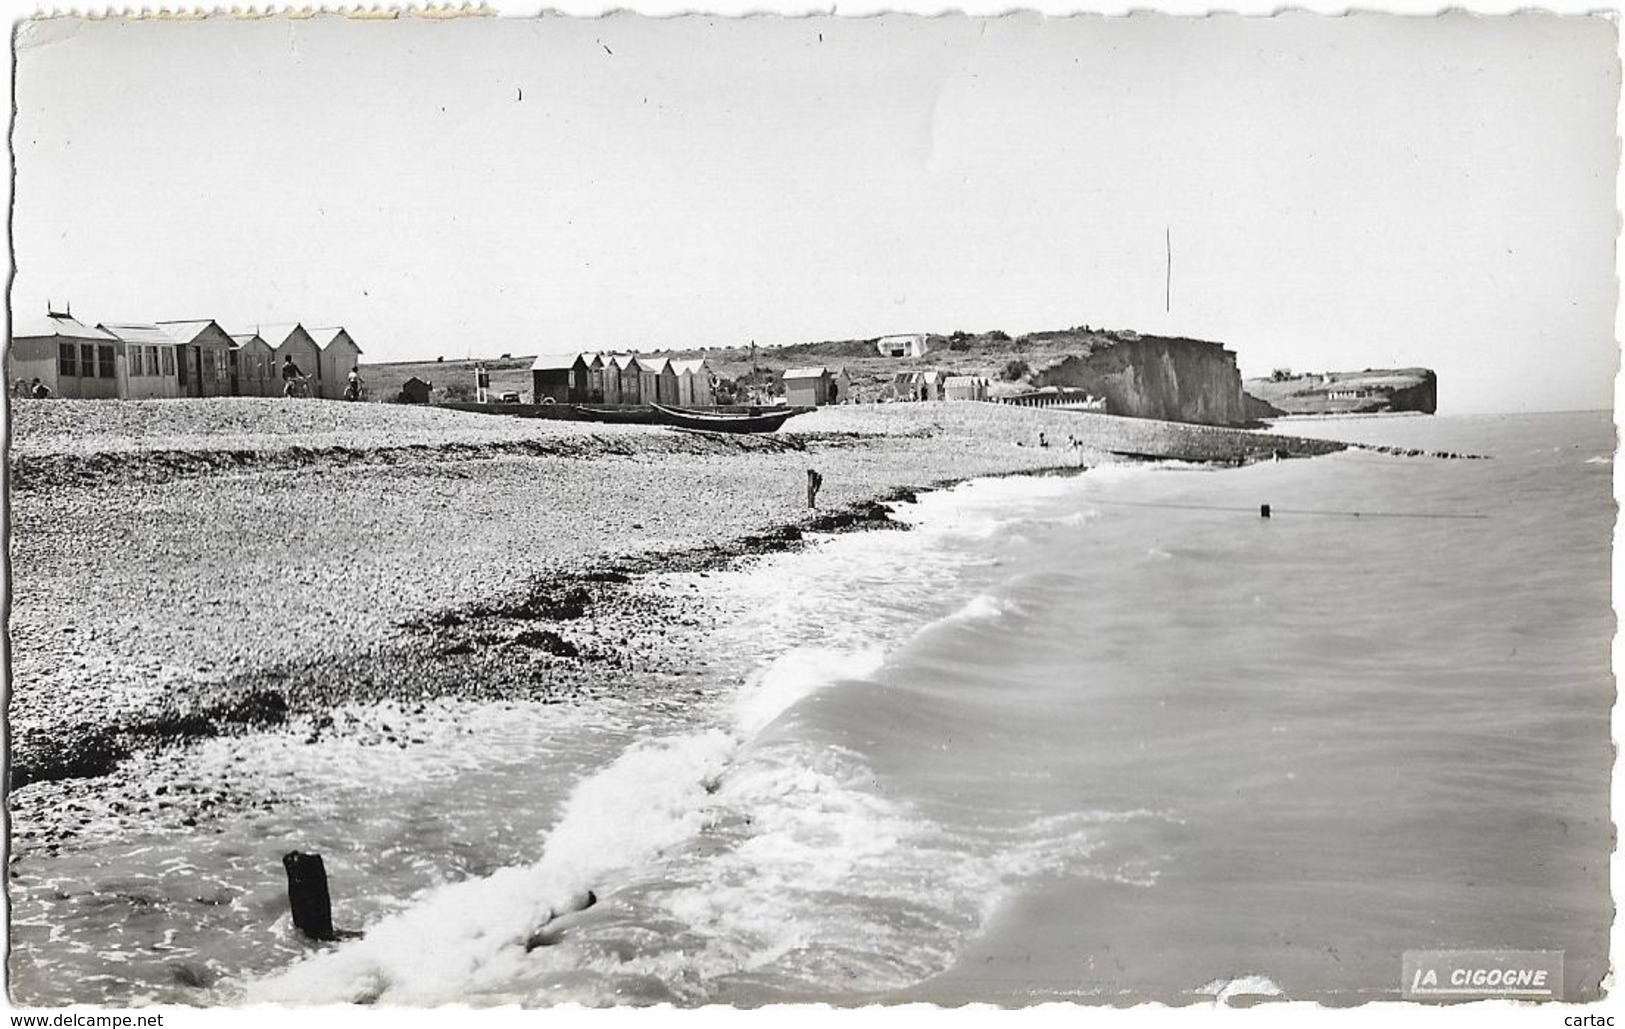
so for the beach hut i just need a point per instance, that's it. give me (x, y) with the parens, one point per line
(338, 356)
(559, 379)
(69, 357)
(696, 386)
(964, 387)
(623, 376)
(909, 345)
(289, 339)
(595, 377)
(202, 357)
(657, 380)
(810, 387)
(150, 365)
(414, 391)
(253, 367)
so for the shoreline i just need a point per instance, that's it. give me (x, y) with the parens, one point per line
(566, 630)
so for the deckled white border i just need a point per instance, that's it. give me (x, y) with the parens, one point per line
(846, 8)
(1051, 1016)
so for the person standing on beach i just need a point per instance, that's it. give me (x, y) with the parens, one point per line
(352, 388)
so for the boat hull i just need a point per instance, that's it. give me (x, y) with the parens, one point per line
(682, 419)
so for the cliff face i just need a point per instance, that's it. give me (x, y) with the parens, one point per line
(1173, 379)
(1373, 391)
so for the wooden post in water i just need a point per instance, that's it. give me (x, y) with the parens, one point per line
(1263, 510)
(307, 894)
(814, 480)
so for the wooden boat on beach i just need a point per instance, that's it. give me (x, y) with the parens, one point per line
(717, 422)
(623, 416)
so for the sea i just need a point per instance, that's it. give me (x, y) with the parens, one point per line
(1097, 738)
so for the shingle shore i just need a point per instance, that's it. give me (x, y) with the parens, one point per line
(192, 567)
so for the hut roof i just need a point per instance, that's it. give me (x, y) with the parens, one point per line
(186, 330)
(964, 380)
(692, 366)
(555, 362)
(625, 361)
(805, 373)
(658, 365)
(63, 325)
(277, 333)
(243, 339)
(139, 333)
(328, 335)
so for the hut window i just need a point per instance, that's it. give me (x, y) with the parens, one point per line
(67, 359)
(104, 361)
(169, 360)
(87, 359)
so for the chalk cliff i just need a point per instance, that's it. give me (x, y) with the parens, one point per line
(1169, 378)
(1372, 391)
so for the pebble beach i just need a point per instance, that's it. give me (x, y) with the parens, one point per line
(190, 569)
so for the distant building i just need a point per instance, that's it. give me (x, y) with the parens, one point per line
(414, 391)
(964, 387)
(816, 387)
(69, 357)
(911, 345)
(339, 355)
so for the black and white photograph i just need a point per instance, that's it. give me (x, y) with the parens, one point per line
(569, 513)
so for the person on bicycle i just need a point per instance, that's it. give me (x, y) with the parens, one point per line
(292, 377)
(352, 387)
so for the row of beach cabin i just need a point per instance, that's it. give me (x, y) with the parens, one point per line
(652, 379)
(622, 379)
(191, 358)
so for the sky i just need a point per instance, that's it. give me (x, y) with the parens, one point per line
(1334, 193)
